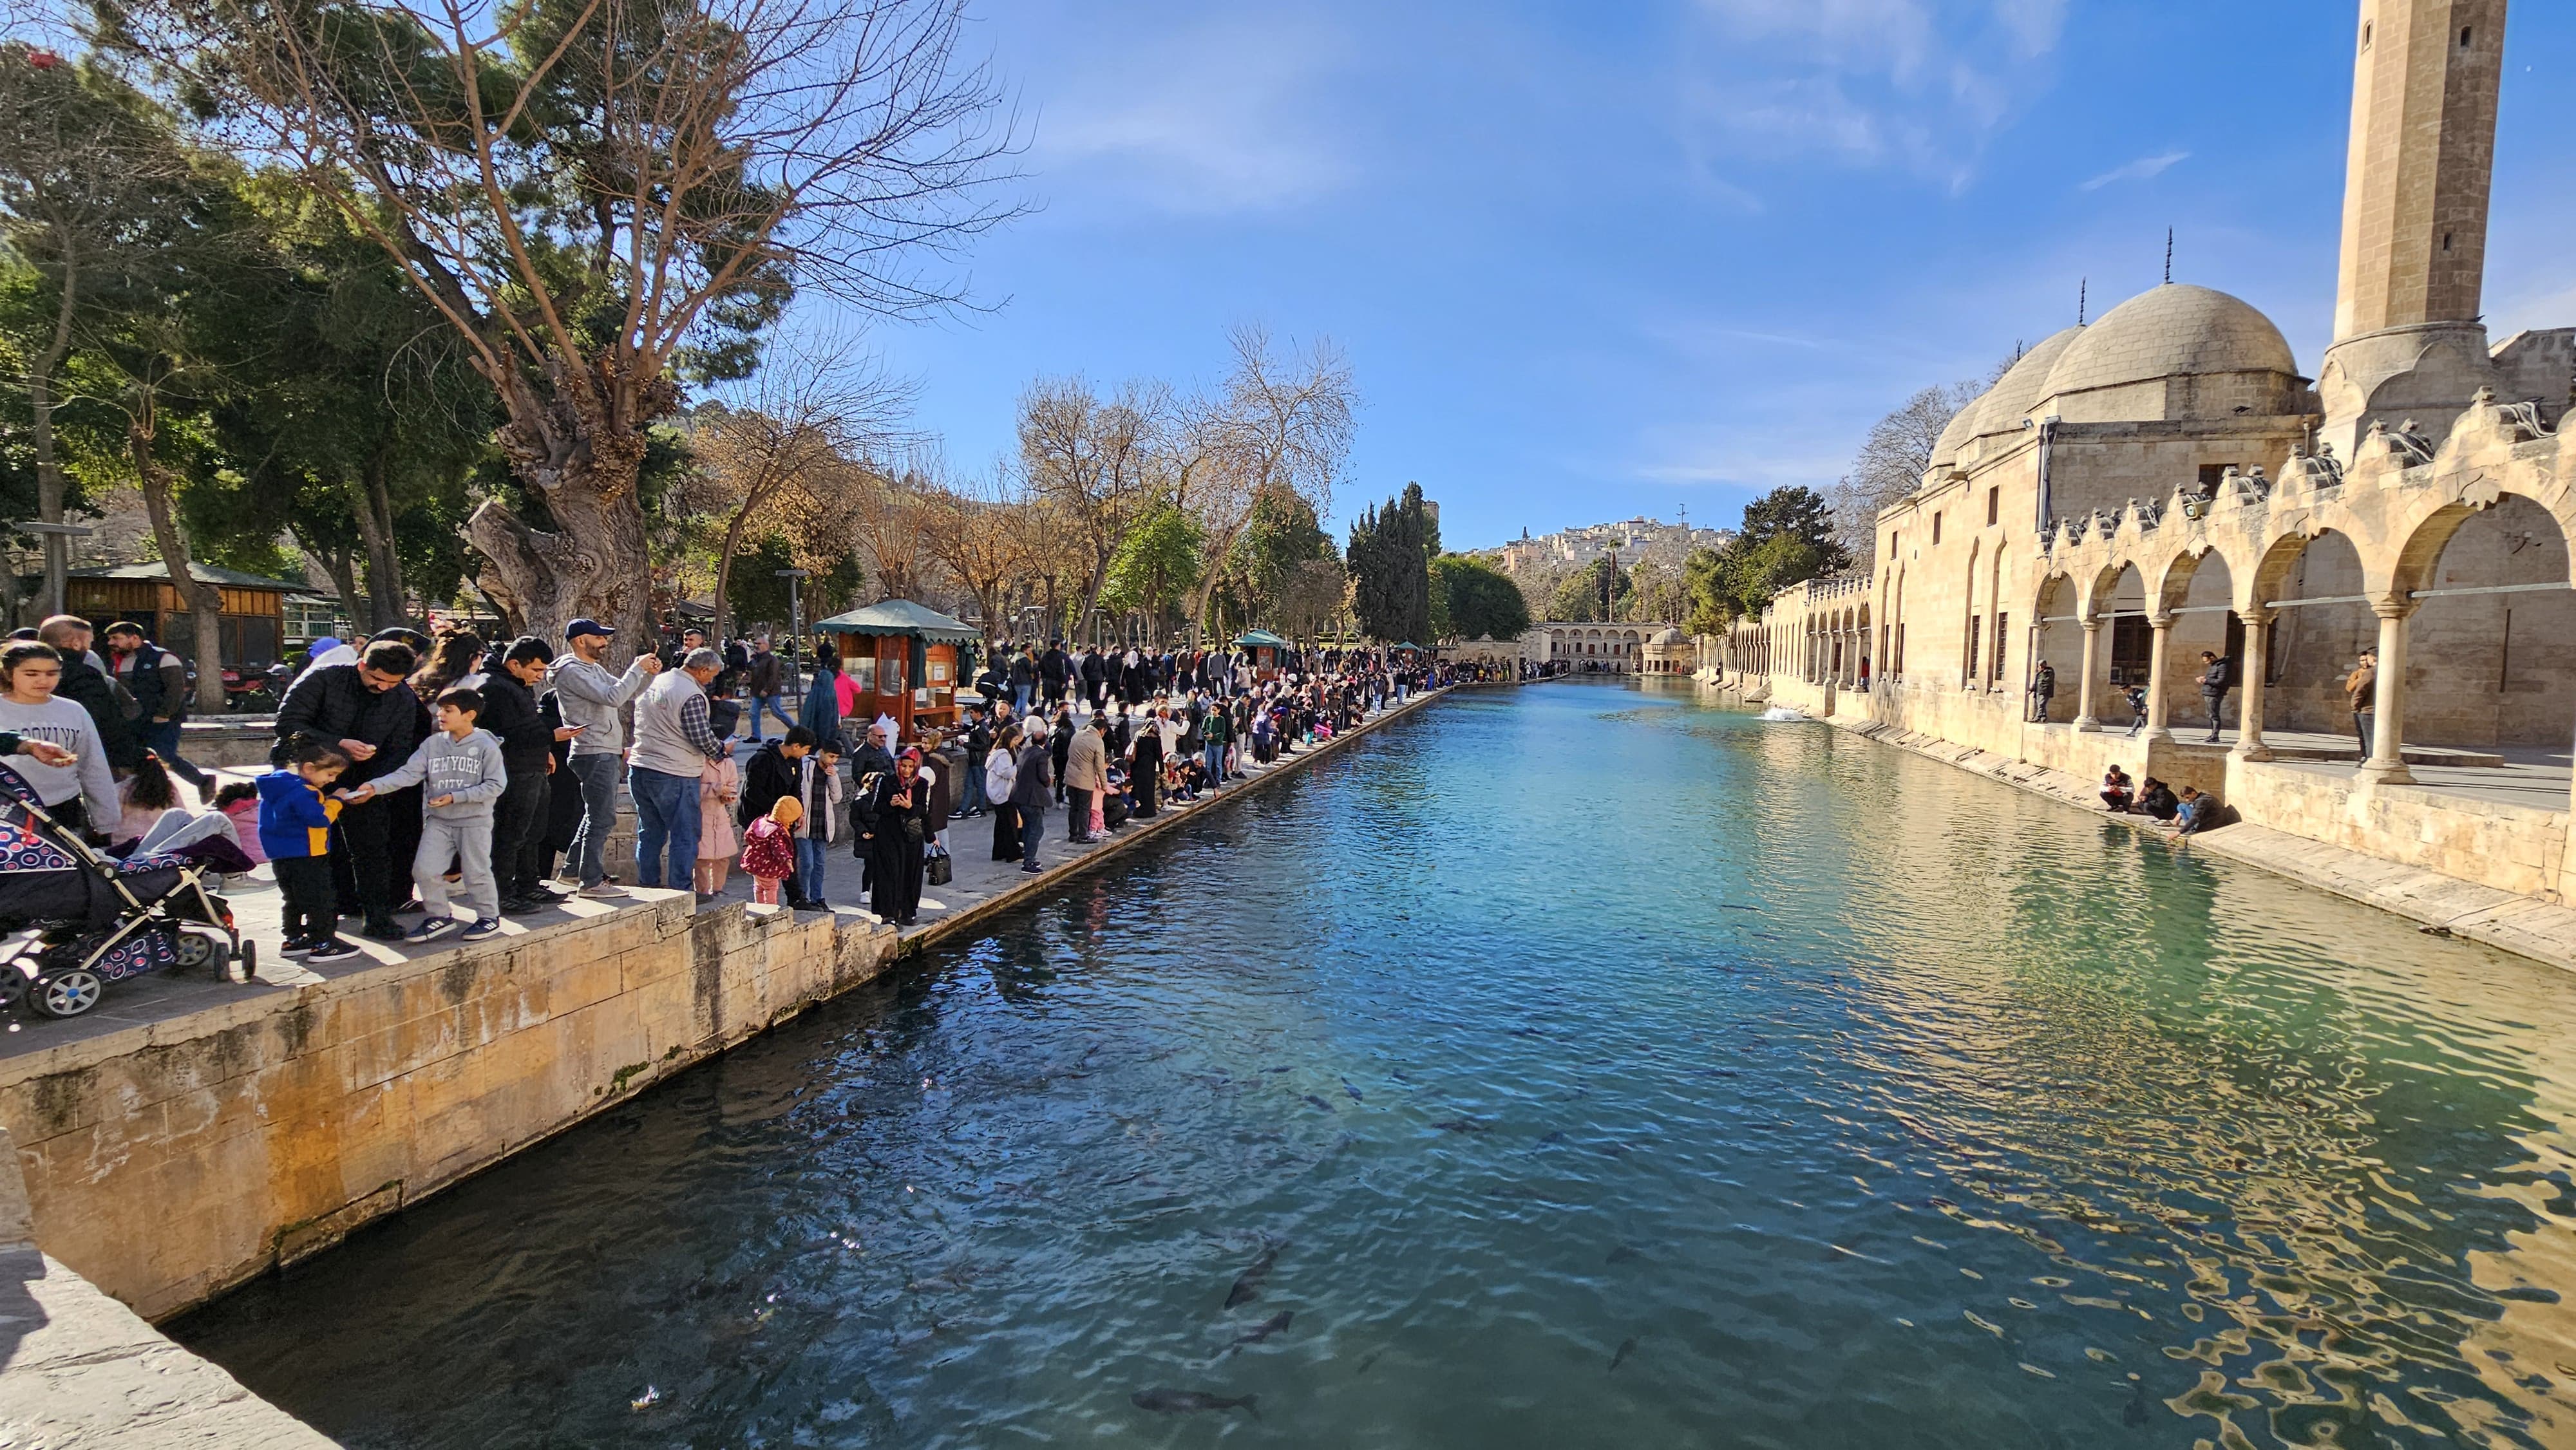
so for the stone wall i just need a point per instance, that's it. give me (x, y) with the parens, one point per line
(166, 1163)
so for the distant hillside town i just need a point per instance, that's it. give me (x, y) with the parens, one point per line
(1635, 539)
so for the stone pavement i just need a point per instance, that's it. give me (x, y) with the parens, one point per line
(2518, 924)
(83, 1370)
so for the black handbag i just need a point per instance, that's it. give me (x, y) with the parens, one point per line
(939, 869)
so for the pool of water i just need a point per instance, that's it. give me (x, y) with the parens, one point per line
(1569, 1067)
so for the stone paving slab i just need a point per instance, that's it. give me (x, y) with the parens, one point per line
(2540, 930)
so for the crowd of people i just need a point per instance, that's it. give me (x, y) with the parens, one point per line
(452, 777)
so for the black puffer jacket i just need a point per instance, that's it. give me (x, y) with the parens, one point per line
(333, 704)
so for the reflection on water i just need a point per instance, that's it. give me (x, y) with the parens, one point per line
(1575, 1067)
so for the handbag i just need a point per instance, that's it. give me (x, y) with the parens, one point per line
(939, 869)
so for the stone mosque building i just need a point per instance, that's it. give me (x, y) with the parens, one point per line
(2168, 480)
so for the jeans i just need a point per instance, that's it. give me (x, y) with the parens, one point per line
(2213, 702)
(1019, 699)
(1077, 815)
(1032, 830)
(808, 881)
(974, 778)
(1215, 764)
(2362, 721)
(365, 859)
(666, 818)
(587, 857)
(775, 705)
(312, 902)
(161, 737)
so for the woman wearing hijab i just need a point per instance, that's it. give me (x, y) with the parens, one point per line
(893, 815)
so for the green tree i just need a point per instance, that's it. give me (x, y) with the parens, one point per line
(1594, 592)
(1477, 599)
(1156, 566)
(1390, 565)
(1787, 538)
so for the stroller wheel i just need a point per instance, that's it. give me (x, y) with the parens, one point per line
(13, 989)
(67, 994)
(249, 960)
(195, 949)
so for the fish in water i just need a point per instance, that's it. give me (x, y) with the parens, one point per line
(1623, 1254)
(1365, 1363)
(1247, 1285)
(1552, 1137)
(1264, 1329)
(1313, 1101)
(1627, 1347)
(1354, 1092)
(1460, 1125)
(2136, 1413)
(1176, 1402)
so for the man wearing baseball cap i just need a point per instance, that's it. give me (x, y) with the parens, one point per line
(591, 700)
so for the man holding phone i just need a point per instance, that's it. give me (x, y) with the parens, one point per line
(592, 700)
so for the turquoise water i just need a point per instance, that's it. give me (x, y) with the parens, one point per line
(1572, 1067)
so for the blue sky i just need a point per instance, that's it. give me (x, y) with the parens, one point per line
(1596, 260)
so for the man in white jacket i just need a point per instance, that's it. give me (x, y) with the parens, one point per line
(591, 699)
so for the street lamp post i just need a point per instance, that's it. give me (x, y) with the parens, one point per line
(795, 626)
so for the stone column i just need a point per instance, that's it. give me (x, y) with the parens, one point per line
(2157, 728)
(2249, 698)
(2086, 691)
(2387, 762)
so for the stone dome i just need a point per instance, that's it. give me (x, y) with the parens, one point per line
(2144, 355)
(2022, 387)
(1945, 450)
(1668, 635)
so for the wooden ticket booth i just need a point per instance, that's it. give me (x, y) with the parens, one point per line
(903, 660)
(1266, 649)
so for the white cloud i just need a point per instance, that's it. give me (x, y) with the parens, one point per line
(1219, 117)
(1915, 84)
(2145, 168)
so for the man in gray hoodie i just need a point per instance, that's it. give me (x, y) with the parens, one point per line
(460, 773)
(591, 700)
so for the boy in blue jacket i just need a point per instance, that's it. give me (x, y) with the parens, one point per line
(295, 816)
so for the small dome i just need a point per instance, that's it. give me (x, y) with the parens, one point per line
(2022, 387)
(2173, 331)
(1668, 635)
(1961, 429)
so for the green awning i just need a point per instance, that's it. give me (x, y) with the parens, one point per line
(1261, 639)
(901, 617)
(1408, 644)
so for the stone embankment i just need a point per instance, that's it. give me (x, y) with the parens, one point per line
(171, 1158)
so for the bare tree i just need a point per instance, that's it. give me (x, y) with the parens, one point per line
(816, 402)
(1093, 459)
(590, 191)
(971, 526)
(886, 514)
(1895, 455)
(1281, 424)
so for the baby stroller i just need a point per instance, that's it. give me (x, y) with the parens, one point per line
(73, 920)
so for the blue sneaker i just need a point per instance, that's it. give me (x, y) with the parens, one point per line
(431, 928)
(483, 926)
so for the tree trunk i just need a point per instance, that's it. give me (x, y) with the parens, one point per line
(49, 466)
(596, 564)
(205, 601)
(724, 574)
(343, 570)
(386, 595)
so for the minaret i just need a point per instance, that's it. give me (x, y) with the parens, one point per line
(2408, 336)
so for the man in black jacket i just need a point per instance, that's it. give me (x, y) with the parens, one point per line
(158, 681)
(2216, 677)
(772, 772)
(1054, 667)
(1095, 678)
(371, 714)
(527, 755)
(84, 686)
(876, 757)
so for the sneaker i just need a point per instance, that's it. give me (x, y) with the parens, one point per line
(334, 950)
(483, 926)
(296, 946)
(431, 928)
(603, 891)
(381, 929)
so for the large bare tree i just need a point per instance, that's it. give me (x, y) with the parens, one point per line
(1895, 455)
(971, 527)
(597, 194)
(1094, 459)
(1280, 424)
